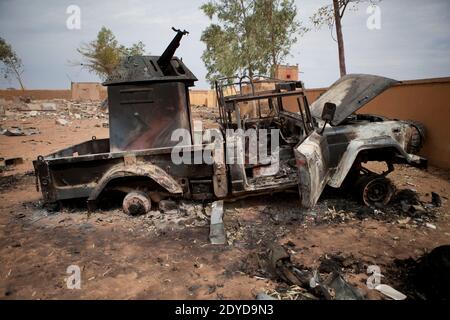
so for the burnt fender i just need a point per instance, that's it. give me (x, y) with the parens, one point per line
(311, 158)
(356, 146)
(137, 170)
(392, 134)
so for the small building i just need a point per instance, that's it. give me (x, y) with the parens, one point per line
(283, 72)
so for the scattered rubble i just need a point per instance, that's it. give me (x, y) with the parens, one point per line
(390, 292)
(430, 225)
(2, 107)
(290, 293)
(424, 278)
(405, 208)
(332, 287)
(9, 162)
(217, 230)
(10, 182)
(21, 109)
(207, 115)
(62, 122)
(16, 131)
(328, 281)
(174, 216)
(436, 200)
(167, 206)
(264, 296)
(44, 106)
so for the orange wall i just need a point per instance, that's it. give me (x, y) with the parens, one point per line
(286, 72)
(426, 101)
(35, 94)
(79, 91)
(313, 94)
(200, 98)
(88, 91)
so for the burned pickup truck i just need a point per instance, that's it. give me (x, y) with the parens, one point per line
(305, 146)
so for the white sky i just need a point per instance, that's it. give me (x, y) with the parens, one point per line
(414, 40)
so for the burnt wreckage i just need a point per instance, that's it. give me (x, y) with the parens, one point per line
(325, 143)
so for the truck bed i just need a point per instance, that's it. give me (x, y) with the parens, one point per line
(76, 171)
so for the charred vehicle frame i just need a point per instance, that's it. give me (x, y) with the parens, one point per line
(325, 143)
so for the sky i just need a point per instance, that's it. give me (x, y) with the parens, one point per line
(413, 40)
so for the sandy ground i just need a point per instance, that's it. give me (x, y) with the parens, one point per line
(124, 257)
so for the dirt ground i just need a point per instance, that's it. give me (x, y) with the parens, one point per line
(124, 257)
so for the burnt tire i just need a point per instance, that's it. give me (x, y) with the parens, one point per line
(375, 190)
(136, 203)
(417, 138)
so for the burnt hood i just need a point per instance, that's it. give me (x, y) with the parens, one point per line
(350, 93)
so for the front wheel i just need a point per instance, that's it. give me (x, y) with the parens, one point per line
(375, 190)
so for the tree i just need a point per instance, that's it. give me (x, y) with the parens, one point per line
(12, 64)
(278, 29)
(102, 55)
(247, 36)
(332, 15)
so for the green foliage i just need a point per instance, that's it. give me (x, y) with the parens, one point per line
(103, 54)
(325, 14)
(11, 63)
(137, 49)
(278, 29)
(248, 37)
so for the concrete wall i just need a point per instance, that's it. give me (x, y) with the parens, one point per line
(426, 101)
(202, 97)
(36, 94)
(88, 91)
(80, 91)
(313, 94)
(286, 73)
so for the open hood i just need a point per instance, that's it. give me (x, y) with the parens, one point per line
(350, 93)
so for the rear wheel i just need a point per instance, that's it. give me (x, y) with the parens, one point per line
(375, 190)
(136, 203)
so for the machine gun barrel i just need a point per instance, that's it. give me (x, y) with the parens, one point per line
(164, 59)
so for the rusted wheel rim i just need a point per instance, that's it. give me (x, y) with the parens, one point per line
(136, 203)
(377, 190)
